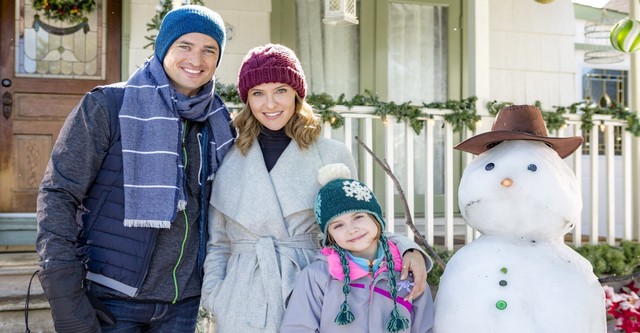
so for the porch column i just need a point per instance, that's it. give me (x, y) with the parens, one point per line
(478, 56)
(634, 106)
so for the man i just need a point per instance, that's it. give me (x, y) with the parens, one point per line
(123, 204)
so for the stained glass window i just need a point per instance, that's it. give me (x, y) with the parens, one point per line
(51, 48)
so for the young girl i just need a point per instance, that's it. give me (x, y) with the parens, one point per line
(354, 285)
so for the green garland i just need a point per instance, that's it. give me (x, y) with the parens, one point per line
(324, 104)
(65, 10)
(555, 119)
(463, 112)
(162, 9)
(463, 115)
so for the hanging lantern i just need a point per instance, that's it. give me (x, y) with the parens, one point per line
(596, 36)
(625, 36)
(340, 12)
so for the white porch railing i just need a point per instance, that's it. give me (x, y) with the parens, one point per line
(430, 169)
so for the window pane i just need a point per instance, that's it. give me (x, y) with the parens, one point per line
(417, 72)
(417, 55)
(50, 48)
(329, 53)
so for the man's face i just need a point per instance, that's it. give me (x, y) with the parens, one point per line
(191, 62)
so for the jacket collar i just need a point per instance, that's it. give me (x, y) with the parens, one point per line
(246, 192)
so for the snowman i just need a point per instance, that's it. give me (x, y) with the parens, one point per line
(519, 276)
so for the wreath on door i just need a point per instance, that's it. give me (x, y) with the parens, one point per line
(65, 10)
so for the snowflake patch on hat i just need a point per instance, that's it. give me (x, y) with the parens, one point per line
(355, 190)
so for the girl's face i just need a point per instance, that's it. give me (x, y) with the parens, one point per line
(273, 104)
(356, 232)
(191, 62)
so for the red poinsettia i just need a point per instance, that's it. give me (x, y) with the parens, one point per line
(624, 306)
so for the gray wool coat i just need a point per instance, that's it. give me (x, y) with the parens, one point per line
(262, 233)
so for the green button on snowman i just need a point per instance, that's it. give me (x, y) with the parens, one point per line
(519, 275)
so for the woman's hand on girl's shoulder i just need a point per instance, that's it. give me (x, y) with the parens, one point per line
(414, 262)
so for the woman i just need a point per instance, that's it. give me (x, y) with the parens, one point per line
(262, 229)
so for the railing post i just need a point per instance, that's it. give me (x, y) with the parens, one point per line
(627, 183)
(448, 186)
(389, 188)
(368, 159)
(610, 183)
(594, 156)
(429, 205)
(410, 159)
(577, 168)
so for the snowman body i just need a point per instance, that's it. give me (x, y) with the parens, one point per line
(519, 276)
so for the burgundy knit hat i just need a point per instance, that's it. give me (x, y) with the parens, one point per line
(271, 63)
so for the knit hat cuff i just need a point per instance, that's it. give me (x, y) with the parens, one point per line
(254, 77)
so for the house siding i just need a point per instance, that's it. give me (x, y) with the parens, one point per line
(532, 52)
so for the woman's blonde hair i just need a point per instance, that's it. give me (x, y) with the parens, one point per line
(303, 127)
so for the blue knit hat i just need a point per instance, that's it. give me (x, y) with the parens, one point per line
(188, 19)
(340, 195)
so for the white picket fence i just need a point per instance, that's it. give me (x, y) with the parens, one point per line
(430, 168)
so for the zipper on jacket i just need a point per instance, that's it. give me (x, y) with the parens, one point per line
(175, 268)
(203, 142)
(184, 212)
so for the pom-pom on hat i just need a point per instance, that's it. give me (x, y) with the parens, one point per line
(271, 63)
(341, 195)
(188, 19)
(519, 122)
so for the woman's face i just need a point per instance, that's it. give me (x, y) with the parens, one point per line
(273, 104)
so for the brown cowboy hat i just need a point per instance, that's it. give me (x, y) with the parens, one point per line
(519, 122)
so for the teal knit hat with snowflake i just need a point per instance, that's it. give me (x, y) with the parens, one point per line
(339, 195)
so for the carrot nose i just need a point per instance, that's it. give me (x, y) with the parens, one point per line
(506, 182)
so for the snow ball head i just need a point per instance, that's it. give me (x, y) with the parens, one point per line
(520, 188)
(625, 36)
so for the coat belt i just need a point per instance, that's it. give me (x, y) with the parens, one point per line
(267, 250)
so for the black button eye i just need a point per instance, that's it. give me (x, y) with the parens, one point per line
(532, 167)
(489, 166)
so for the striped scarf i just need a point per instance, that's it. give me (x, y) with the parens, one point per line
(151, 130)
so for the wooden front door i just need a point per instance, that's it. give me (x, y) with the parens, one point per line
(46, 67)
